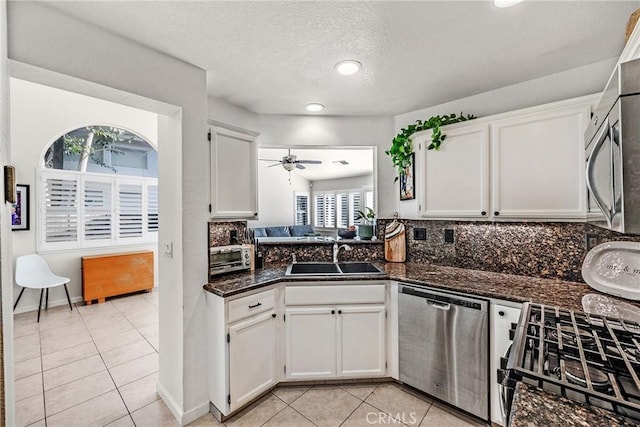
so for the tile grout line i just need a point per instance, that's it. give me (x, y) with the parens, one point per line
(288, 405)
(108, 372)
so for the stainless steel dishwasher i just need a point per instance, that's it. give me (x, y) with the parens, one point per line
(444, 345)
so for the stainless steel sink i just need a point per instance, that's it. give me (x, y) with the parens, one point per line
(331, 269)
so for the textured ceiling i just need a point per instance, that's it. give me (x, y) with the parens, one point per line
(274, 57)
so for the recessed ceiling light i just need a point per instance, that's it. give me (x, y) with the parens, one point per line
(348, 67)
(314, 107)
(505, 3)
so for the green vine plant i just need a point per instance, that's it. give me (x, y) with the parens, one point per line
(402, 147)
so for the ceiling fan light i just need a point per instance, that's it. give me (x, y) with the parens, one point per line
(314, 107)
(289, 166)
(505, 3)
(348, 67)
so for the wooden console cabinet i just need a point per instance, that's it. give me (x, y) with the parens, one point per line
(116, 274)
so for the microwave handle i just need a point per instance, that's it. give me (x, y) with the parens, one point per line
(606, 131)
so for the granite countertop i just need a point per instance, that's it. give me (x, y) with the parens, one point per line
(532, 406)
(475, 282)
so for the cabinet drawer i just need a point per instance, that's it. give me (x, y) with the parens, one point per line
(335, 294)
(253, 304)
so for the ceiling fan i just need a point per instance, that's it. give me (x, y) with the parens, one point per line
(290, 162)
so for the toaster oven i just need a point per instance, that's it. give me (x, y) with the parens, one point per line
(226, 259)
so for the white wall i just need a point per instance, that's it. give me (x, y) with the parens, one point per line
(117, 69)
(40, 115)
(6, 268)
(349, 183)
(276, 198)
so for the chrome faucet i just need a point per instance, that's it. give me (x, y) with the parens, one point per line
(336, 250)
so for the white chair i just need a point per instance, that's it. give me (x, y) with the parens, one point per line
(33, 272)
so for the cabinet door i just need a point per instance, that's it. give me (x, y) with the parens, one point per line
(456, 176)
(501, 318)
(252, 357)
(537, 165)
(361, 341)
(233, 173)
(310, 342)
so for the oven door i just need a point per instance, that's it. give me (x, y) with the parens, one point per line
(223, 259)
(506, 385)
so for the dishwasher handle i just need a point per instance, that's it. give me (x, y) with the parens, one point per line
(439, 305)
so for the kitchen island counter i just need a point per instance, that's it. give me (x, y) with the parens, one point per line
(474, 282)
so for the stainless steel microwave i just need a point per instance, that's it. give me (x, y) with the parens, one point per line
(613, 153)
(225, 259)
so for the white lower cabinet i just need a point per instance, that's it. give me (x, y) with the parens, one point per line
(252, 358)
(361, 341)
(310, 342)
(335, 339)
(502, 315)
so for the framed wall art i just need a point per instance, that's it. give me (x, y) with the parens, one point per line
(407, 181)
(20, 209)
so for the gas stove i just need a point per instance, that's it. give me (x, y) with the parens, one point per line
(584, 357)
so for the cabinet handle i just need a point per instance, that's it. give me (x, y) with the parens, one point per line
(501, 313)
(483, 213)
(339, 311)
(333, 312)
(255, 305)
(496, 213)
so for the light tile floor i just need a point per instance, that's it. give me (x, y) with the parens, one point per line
(98, 366)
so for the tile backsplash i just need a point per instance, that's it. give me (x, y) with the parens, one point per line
(539, 249)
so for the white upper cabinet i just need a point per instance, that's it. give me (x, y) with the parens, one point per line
(522, 165)
(537, 165)
(457, 175)
(233, 174)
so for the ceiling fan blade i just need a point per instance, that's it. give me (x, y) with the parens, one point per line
(270, 160)
(275, 164)
(299, 166)
(310, 162)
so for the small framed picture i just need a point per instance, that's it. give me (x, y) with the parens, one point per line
(20, 209)
(407, 188)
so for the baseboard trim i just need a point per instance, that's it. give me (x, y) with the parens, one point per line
(183, 418)
(52, 303)
(168, 400)
(193, 414)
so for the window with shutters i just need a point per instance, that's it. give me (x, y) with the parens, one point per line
(109, 199)
(81, 210)
(339, 209)
(301, 208)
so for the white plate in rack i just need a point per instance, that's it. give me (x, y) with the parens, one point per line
(614, 268)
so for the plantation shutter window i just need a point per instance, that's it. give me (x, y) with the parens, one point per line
(83, 210)
(152, 208)
(343, 210)
(98, 220)
(129, 211)
(330, 210)
(319, 212)
(60, 209)
(355, 205)
(302, 209)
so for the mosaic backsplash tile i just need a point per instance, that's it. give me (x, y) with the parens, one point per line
(220, 232)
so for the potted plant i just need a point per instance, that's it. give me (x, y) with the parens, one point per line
(367, 221)
(402, 147)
